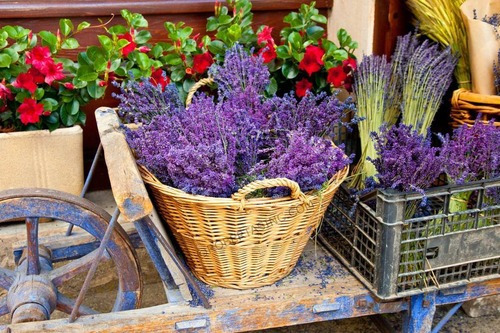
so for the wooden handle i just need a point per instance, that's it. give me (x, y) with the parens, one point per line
(195, 87)
(296, 192)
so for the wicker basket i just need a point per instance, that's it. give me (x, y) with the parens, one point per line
(466, 105)
(240, 243)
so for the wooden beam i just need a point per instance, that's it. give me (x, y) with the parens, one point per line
(126, 183)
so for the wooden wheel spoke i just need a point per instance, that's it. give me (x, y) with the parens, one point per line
(6, 278)
(75, 267)
(32, 257)
(66, 305)
(3, 306)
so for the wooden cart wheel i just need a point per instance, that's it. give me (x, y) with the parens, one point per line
(33, 287)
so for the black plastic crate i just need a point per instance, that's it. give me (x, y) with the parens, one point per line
(397, 247)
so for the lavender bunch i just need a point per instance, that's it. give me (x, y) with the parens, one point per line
(472, 153)
(405, 161)
(371, 82)
(194, 151)
(309, 160)
(427, 77)
(405, 47)
(141, 101)
(240, 72)
(315, 115)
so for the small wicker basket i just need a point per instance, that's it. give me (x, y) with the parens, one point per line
(240, 243)
(466, 106)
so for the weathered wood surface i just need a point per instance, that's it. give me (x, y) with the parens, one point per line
(126, 183)
(320, 289)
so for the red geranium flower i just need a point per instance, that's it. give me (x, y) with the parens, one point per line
(25, 81)
(53, 72)
(268, 53)
(201, 62)
(265, 36)
(39, 57)
(30, 111)
(37, 76)
(302, 87)
(349, 64)
(5, 92)
(312, 61)
(336, 76)
(158, 78)
(69, 85)
(144, 49)
(130, 46)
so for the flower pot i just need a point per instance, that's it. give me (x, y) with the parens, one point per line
(42, 159)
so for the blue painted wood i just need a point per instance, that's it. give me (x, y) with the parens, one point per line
(418, 318)
(151, 246)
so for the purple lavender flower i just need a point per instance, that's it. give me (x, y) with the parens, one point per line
(141, 101)
(315, 115)
(405, 159)
(240, 72)
(426, 79)
(472, 153)
(310, 161)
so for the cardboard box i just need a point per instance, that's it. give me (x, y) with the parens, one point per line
(43, 159)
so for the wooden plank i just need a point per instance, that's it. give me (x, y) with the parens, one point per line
(320, 289)
(126, 183)
(177, 275)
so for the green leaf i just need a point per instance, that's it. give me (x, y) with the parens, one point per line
(289, 70)
(142, 60)
(115, 64)
(225, 19)
(283, 52)
(74, 107)
(185, 32)
(66, 26)
(106, 42)
(190, 46)
(187, 84)
(12, 53)
(39, 92)
(94, 90)
(234, 32)
(272, 87)
(82, 118)
(66, 117)
(340, 54)
(5, 60)
(319, 18)
(212, 23)
(298, 56)
(142, 37)
(84, 59)
(342, 36)
(138, 21)
(49, 103)
(217, 47)
(118, 30)
(86, 73)
(172, 59)
(48, 39)
(295, 39)
(82, 26)
(315, 32)
(70, 44)
(157, 51)
(53, 118)
(178, 74)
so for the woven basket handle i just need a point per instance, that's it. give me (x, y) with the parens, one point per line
(296, 192)
(195, 87)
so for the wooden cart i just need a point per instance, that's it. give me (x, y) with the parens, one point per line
(318, 289)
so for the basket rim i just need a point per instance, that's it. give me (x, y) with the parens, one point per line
(333, 183)
(467, 95)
